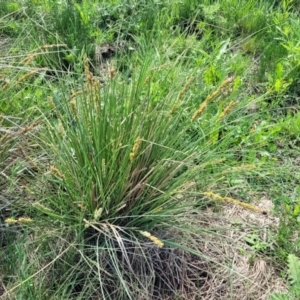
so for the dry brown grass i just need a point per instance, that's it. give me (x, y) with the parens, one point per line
(228, 267)
(236, 271)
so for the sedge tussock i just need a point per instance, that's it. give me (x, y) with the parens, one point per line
(234, 201)
(135, 148)
(227, 110)
(152, 238)
(26, 76)
(56, 172)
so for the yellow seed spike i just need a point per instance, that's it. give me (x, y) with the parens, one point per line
(185, 88)
(24, 77)
(10, 221)
(147, 79)
(87, 73)
(5, 138)
(75, 94)
(227, 110)
(61, 129)
(41, 206)
(28, 59)
(211, 96)
(152, 238)
(25, 220)
(156, 241)
(29, 128)
(135, 148)
(199, 111)
(112, 73)
(50, 100)
(57, 172)
(234, 201)
(181, 93)
(145, 233)
(227, 81)
(73, 108)
(6, 85)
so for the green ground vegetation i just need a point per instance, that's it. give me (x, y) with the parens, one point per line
(126, 129)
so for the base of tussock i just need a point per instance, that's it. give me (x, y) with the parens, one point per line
(222, 265)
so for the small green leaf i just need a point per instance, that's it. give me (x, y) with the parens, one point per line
(294, 269)
(297, 210)
(278, 71)
(277, 85)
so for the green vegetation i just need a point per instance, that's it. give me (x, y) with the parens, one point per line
(149, 149)
(294, 276)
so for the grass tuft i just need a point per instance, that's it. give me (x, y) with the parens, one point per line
(127, 133)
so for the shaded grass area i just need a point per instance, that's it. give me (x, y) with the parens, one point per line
(126, 127)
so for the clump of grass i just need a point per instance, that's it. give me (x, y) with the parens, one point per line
(123, 173)
(129, 160)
